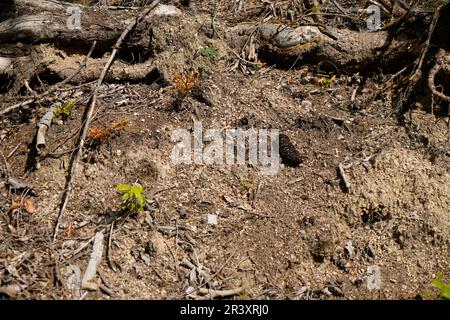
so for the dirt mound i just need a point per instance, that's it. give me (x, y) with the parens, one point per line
(363, 215)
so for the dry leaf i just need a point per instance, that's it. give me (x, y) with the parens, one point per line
(70, 230)
(29, 206)
(16, 204)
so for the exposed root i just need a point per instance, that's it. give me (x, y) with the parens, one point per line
(440, 60)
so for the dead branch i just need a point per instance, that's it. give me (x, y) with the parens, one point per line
(96, 257)
(418, 68)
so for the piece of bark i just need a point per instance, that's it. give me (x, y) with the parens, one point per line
(345, 182)
(43, 125)
(96, 256)
(73, 283)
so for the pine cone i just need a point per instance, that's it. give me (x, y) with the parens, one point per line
(288, 153)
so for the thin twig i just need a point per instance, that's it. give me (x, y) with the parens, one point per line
(82, 247)
(255, 194)
(108, 251)
(340, 8)
(13, 151)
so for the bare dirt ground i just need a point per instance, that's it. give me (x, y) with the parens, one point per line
(295, 235)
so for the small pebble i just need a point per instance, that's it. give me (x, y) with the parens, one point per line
(212, 219)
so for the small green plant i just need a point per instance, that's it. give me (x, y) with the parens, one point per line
(443, 287)
(64, 110)
(209, 52)
(133, 198)
(327, 82)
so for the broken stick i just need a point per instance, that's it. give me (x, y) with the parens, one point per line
(91, 270)
(346, 183)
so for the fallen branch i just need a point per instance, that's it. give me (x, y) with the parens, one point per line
(43, 126)
(91, 270)
(107, 290)
(90, 111)
(20, 187)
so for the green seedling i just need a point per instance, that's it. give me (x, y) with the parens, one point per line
(327, 82)
(133, 198)
(444, 288)
(438, 283)
(64, 110)
(209, 52)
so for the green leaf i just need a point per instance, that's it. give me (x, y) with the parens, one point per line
(136, 190)
(209, 52)
(64, 110)
(442, 286)
(445, 295)
(132, 197)
(123, 187)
